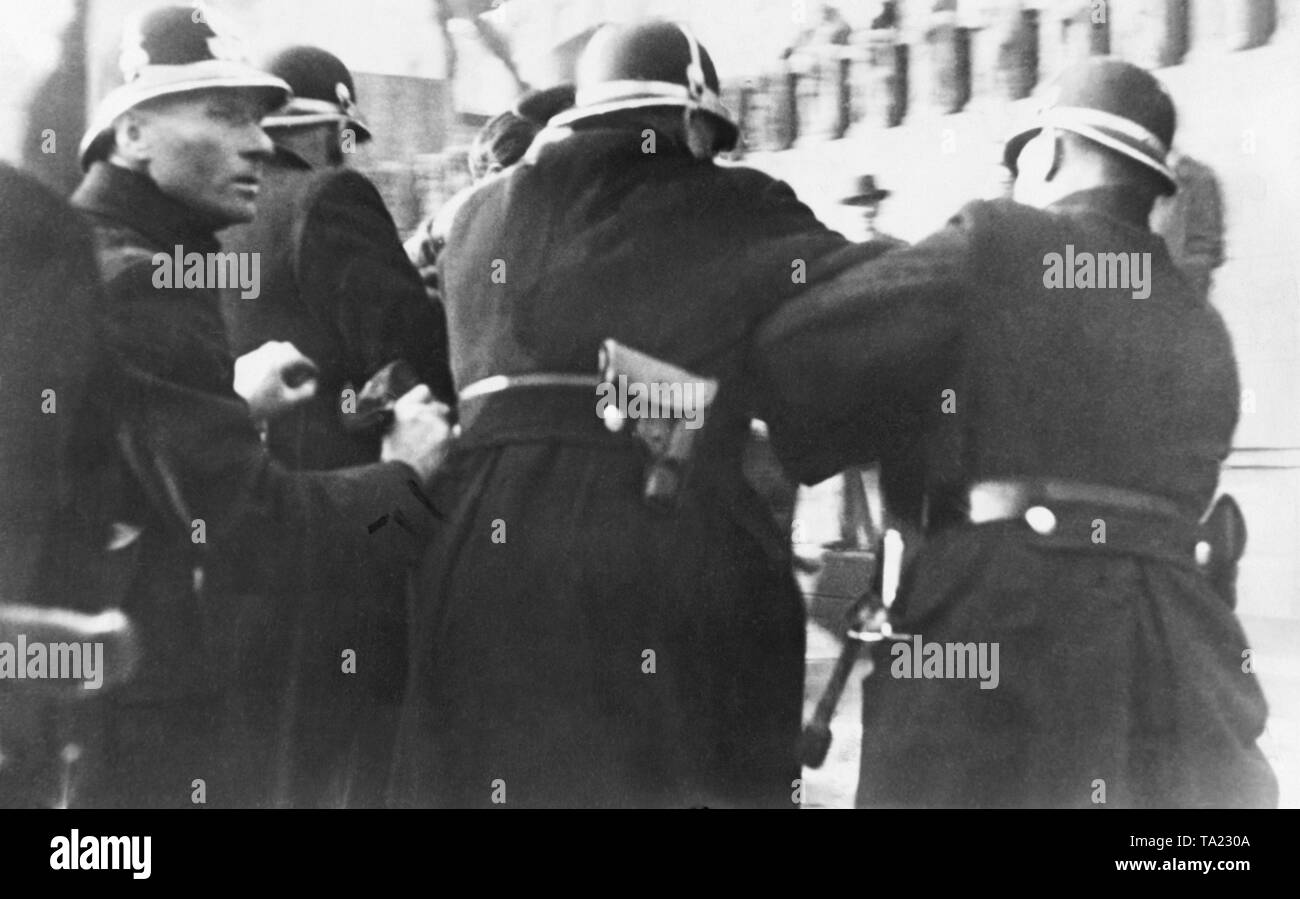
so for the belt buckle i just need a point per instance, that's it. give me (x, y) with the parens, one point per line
(1006, 501)
(1041, 520)
(994, 501)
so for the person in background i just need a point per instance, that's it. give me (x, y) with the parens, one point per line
(866, 196)
(172, 156)
(336, 285)
(1191, 221)
(499, 144)
(861, 513)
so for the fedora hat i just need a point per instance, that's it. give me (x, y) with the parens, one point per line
(864, 191)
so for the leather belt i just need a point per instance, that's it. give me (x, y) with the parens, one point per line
(1031, 498)
(1073, 513)
(499, 383)
(1046, 504)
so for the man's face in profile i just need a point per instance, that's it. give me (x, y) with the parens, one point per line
(206, 149)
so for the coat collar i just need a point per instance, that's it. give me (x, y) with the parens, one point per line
(129, 198)
(1114, 201)
(608, 136)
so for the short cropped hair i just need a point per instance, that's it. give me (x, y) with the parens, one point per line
(500, 143)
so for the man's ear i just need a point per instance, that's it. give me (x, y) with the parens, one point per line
(131, 138)
(334, 152)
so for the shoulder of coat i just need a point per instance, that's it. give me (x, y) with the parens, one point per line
(126, 262)
(336, 185)
(475, 195)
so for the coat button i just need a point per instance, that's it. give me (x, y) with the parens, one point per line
(1041, 519)
(614, 419)
(1203, 553)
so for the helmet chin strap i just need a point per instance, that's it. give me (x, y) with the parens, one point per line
(699, 134)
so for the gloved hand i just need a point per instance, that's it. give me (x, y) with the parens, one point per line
(274, 378)
(421, 434)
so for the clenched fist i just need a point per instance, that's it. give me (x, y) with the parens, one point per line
(274, 378)
(421, 433)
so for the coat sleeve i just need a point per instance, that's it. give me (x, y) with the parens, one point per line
(172, 394)
(1204, 211)
(1202, 250)
(844, 371)
(355, 276)
(49, 289)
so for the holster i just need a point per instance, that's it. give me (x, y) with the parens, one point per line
(668, 439)
(374, 410)
(1222, 544)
